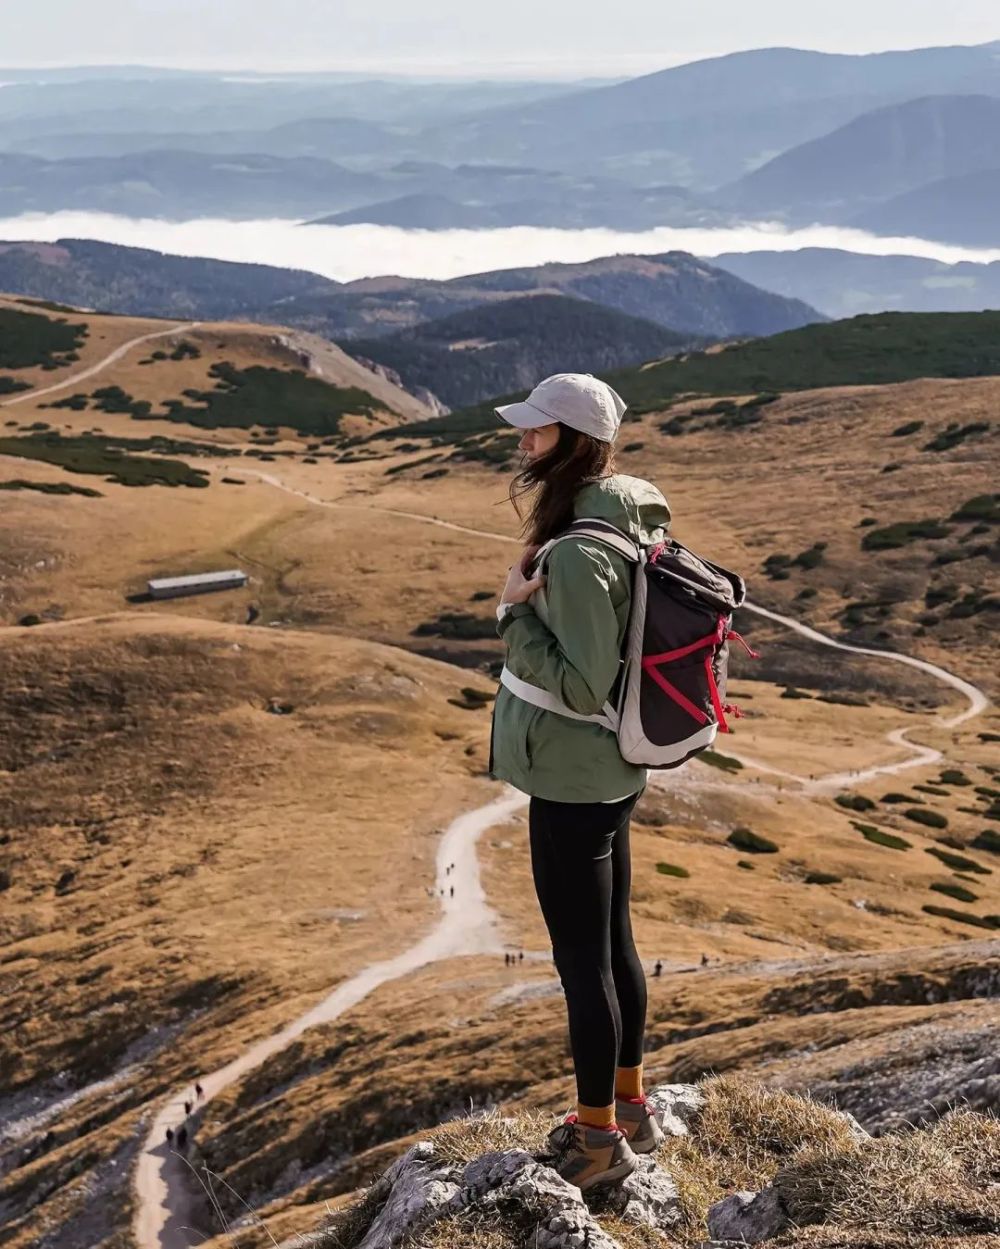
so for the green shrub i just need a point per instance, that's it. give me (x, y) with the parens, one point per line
(854, 802)
(952, 776)
(902, 533)
(11, 385)
(822, 878)
(984, 507)
(988, 839)
(931, 819)
(956, 434)
(936, 790)
(633, 446)
(866, 522)
(962, 917)
(791, 692)
(30, 619)
(753, 843)
(50, 487)
(808, 591)
(716, 760)
(28, 340)
(671, 869)
(747, 867)
(955, 891)
(958, 862)
(881, 838)
(458, 625)
(910, 427)
(896, 798)
(88, 453)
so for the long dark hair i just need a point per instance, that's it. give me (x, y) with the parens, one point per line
(554, 479)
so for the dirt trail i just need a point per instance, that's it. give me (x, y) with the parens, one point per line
(918, 756)
(467, 925)
(112, 358)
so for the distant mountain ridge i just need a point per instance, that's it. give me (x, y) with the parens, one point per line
(877, 156)
(674, 290)
(468, 356)
(963, 210)
(843, 284)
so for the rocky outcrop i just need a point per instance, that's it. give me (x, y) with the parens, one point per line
(825, 1168)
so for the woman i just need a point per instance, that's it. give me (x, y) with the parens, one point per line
(564, 629)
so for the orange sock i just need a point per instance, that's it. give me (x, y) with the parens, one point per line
(595, 1116)
(628, 1081)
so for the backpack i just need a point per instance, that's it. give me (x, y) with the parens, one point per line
(668, 702)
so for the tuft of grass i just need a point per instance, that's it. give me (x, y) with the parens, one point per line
(746, 839)
(822, 878)
(854, 802)
(880, 838)
(958, 861)
(672, 869)
(962, 917)
(931, 819)
(988, 839)
(958, 892)
(716, 760)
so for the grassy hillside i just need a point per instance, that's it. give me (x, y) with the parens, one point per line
(469, 356)
(867, 350)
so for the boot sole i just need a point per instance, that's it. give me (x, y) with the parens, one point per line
(619, 1172)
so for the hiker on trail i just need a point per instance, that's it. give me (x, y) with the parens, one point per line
(182, 1138)
(506, 960)
(563, 615)
(187, 1108)
(199, 1092)
(520, 957)
(704, 960)
(658, 968)
(170, 1135)
(453, 891)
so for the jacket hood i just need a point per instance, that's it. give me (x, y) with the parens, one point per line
(631, 504)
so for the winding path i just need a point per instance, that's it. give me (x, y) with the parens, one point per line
(112, 358)
(467, 924)
(919, 755)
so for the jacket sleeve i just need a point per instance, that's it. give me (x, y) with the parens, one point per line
(577, 656)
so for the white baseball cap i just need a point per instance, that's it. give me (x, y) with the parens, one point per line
(579, 400)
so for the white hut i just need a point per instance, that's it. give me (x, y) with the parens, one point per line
(197, 583)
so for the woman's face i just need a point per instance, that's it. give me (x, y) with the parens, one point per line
(535, 443)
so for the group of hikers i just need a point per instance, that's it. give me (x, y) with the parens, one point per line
(179, 1139)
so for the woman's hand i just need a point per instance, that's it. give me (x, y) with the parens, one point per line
(519, 588)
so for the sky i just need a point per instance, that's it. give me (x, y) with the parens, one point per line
(468, 38)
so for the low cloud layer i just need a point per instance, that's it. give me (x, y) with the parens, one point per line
(349, 252)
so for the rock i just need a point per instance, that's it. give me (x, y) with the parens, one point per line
(420, 1188)
(749, 1217)
(676, 1106)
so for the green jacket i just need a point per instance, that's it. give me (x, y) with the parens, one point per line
(568, 639)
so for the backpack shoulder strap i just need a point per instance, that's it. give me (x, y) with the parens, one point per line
(601, 531)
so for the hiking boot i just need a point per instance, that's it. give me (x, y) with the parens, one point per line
(636, 1119)
(587, 1156)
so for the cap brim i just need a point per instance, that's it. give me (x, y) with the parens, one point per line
(523, 416)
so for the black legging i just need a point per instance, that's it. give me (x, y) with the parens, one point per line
(582, 869)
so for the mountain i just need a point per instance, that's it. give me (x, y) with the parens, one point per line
(180, 184)
(878, 155)
(499, 347)
(963, 210)
(141, 282)
(543, 200)
(842, 283)
(703, 124)
(674, 290)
